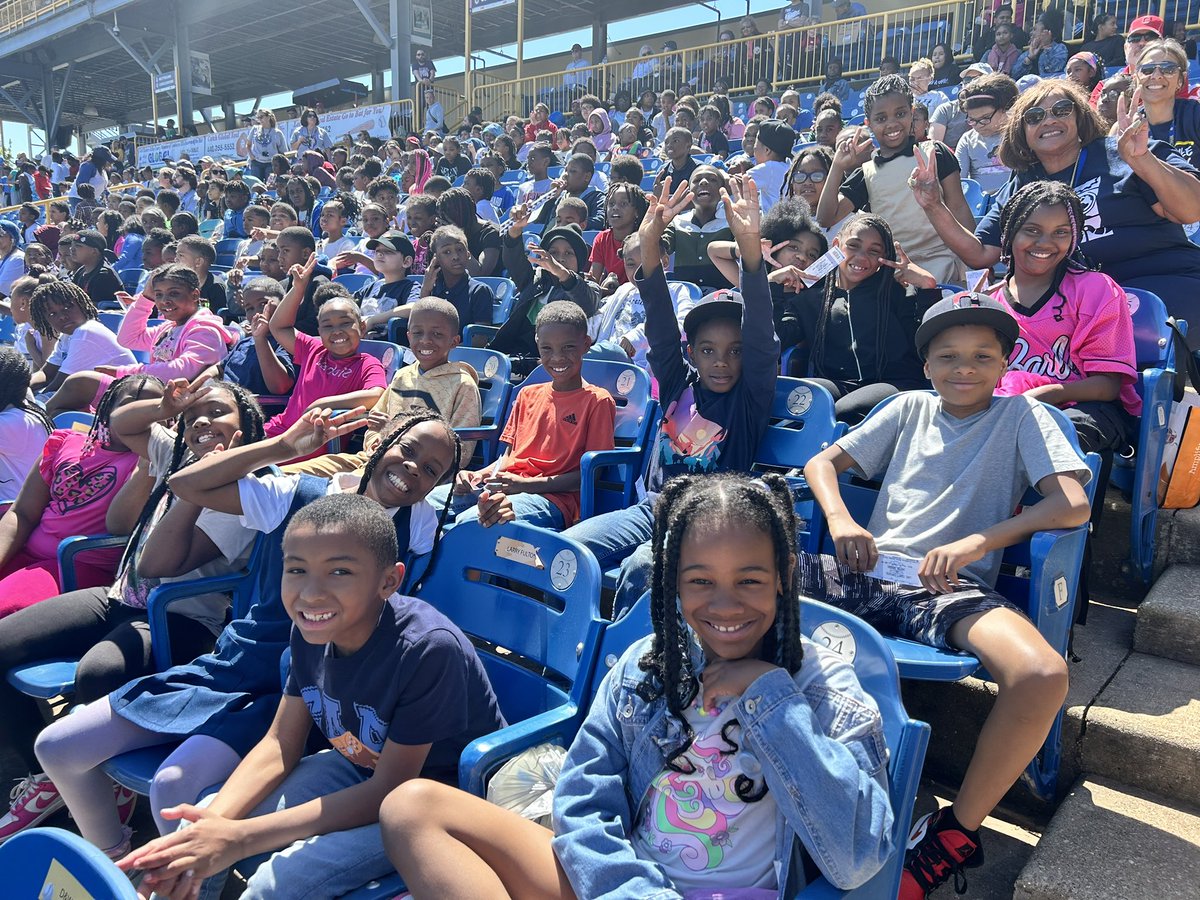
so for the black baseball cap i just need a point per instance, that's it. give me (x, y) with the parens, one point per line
(393, 240)
(722, 304)
(90, 237)
(966, 308)
(777, 136)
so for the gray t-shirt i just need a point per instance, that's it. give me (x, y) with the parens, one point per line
(946, 478)
(978, 158)
(951, 115)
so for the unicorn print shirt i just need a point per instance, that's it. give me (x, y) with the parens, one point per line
(693, 823)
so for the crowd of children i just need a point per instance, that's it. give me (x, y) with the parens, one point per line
(677, 238)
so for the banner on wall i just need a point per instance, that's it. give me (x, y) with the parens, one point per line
(422, 22)
(235, 144)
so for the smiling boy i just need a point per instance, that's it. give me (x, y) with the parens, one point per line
(953, 466)
(549, 429)
(394, 687)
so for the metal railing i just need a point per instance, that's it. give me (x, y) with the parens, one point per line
(18, 13)
(43, 204)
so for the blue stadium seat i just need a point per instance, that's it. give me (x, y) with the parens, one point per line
(513, 176)
(355, 281)
(208, 228)
(609, 477)
(504, 292)
(1137, 478)
(494, 370)
(652, 164)
(8, 330)
(590, 236)
(28, 860)
(227, 252)
(648, 182)
(976, 199)
(130, 279)
(1040, 576)
(391, 355)
(74, 421)
(694, 290)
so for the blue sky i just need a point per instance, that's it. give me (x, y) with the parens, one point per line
(16, 133)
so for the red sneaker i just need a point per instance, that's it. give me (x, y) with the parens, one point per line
(937, 850)
(126, 802)
(34, 799)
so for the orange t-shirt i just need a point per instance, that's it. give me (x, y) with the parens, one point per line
(548, 431)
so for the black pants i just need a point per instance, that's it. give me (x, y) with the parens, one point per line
(111, 640)
(853, 401)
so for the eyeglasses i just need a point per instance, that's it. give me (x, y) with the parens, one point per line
(801, 177)
(1160, 68)
(1143, 37)
(972, 122)
(1060, 110)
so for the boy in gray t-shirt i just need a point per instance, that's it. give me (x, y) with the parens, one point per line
(953, 468)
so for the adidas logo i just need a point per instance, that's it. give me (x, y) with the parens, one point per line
(570, 419)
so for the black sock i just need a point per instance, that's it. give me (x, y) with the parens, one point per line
(950, 820)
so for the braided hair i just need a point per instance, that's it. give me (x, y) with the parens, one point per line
(392, 432)
(346, 202)
(882, 87)
(117, 391)
(885, 287)
(63, 293)
(1024, 204)
(637, 199)
(250, 423)
(14, 386)
(725, 500)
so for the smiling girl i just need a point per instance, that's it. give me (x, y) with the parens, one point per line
(624, 206)
(1076, 346)
(724, 700)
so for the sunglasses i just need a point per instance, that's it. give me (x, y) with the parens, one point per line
(801, 177)
(1141, 38)
(1037, 114)
(1161, 68)
(973, 122)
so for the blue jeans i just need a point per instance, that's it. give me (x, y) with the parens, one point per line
(622, 536)
(327, 865)
(532, 509)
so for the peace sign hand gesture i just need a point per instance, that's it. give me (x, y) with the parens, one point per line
(1133, 131)
(924, 181)
(907, 272)
(851, 152)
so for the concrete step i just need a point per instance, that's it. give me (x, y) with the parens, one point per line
(1112, 842)
(1178, 539)
(1168, 620)
(1144, 728)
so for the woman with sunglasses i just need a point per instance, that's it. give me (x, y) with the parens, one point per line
(1142, 31)
(1160, 73)
(986, 102)
(1136, 192)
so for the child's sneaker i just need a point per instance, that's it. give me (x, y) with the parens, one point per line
(938, 848)
(126, 802)
(34, 799)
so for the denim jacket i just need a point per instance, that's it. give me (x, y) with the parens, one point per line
(817, 739)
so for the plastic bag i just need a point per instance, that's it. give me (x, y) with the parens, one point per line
(525, 784)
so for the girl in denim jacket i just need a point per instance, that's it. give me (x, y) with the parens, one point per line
(711, 746)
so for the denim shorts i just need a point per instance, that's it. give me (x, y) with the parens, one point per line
(891, 608)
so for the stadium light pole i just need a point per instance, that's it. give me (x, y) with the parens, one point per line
(520, 38)
(467, 53)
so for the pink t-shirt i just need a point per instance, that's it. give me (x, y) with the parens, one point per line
(320, 375)
(82, 485)
(1084, 329)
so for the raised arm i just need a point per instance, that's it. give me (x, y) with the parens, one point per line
(1178, 191)
(760, 346)
(833, 206)
(133, 334)
(283, 322)
(275, 374)
(929, 192)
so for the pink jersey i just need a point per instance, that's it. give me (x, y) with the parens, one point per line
(1083, 329)
(320, 375)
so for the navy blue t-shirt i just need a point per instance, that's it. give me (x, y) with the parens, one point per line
(241, 365)
(1122, 234)
(417, 680)
(702, 431)
(1183, 131)
(473, 300)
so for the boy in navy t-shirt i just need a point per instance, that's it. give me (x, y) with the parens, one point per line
(392, 684)
(257, 362)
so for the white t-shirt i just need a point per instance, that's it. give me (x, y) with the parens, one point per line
(12, 267)
(266, 500)
(768, 178)
(21, 439)
(91, 345)
(330, 249)
(24, 329)
(696, 827)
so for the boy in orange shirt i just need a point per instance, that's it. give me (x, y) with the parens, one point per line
(549, 429)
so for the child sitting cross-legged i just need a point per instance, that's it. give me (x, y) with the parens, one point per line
(388, 681)
(431, 383)
(954, 465)
(550, 427)
(710, 748)
(331, 372)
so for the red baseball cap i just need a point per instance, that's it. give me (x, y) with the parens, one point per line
(1147, 23)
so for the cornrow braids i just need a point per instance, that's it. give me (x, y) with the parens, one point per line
(129, 384)
(14, 386)
(888, 84)
(346, 202)
(1024, 204)
(63, 293)
(250, 423)
(885, 288)
(392, 432)
(765, 504)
